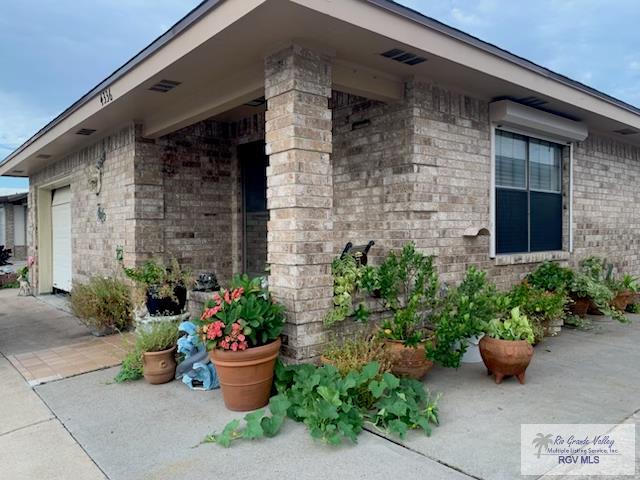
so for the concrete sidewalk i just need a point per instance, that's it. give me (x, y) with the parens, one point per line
(152, 432)
(33, 443)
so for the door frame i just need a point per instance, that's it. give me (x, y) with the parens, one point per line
(44, 232)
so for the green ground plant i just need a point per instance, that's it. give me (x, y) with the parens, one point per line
(326, 403)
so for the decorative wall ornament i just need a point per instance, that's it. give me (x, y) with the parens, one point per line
(95, 174)
(102, 215)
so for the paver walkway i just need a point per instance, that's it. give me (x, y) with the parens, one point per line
(45, 343)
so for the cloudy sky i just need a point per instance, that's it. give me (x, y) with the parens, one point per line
(54, 51)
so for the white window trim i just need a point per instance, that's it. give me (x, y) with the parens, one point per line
(492, 193)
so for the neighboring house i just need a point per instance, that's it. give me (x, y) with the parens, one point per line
(13, 225)
(376, 123)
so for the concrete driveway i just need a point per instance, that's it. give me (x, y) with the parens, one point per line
(140, 431)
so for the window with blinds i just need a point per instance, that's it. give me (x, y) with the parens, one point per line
(528, 194)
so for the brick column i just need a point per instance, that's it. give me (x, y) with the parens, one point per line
(300, 193)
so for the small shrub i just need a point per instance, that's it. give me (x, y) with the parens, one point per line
(102, 303)
(351, 355)
(464, 311)
(551, 276)
(540, 306)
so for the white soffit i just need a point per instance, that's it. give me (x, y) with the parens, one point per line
(511, 114)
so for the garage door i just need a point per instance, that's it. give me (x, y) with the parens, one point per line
(2, 227)
(61, 238)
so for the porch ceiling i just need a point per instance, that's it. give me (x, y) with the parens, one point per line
(218, 61)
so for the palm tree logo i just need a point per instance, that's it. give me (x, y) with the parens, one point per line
(542, 441)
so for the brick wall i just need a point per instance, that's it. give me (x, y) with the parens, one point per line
(419, 170)
(186, 198)
(93, 242)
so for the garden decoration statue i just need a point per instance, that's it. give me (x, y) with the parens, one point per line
(23, 278)
(196, 370)
(206, 282)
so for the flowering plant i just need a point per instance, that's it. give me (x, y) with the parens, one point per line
(23, 273)
(240, 317)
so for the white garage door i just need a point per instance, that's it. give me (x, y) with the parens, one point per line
(61, 241)
(2, 227)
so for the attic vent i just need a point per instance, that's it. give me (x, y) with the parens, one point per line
(627, 131)
(403, 57)
(164, 86)
(43, 155)
(256, 102)
(534, 102)
(85, 131)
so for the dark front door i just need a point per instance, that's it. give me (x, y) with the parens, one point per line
(254, 161)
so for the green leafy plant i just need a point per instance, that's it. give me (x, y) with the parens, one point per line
(550, 276)
(589, 283)
(326, 403)
(156, 337)
(541, 306)
(463, 313)
(103, 303)
(240, 317)
(407, 285)
(347, 280)
(515, 327)
(158, 280)
(352, 354)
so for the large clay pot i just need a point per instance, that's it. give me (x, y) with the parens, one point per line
(408, 361)
(159, 367)
(579, 306)
(246, 376)
(505, 357)
(621, 300)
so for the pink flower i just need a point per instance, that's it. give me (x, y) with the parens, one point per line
(227, 297)
(216, 298)
(241, 337)
(234, 346)
(31, 260)
(243, 345)
(237, 293)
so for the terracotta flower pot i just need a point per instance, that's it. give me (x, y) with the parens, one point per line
(505, 357)
(159, 367)
(621, 300)
(246, 376)
(580, 306)
(408, 361)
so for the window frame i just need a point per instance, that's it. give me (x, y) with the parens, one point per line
(565, 192)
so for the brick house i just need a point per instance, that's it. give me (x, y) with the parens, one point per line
(272, 132)
(13, 224)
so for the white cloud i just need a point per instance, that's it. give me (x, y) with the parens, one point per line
(466, 18)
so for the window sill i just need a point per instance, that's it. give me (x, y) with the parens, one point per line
(534, 257)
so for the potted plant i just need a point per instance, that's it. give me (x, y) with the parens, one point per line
(545, 309)
(458, 323)
(624, 290)
(241, 327)
(103, 304)
(407, 286)
(163, 288)
(157, 344)
(506, 349)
